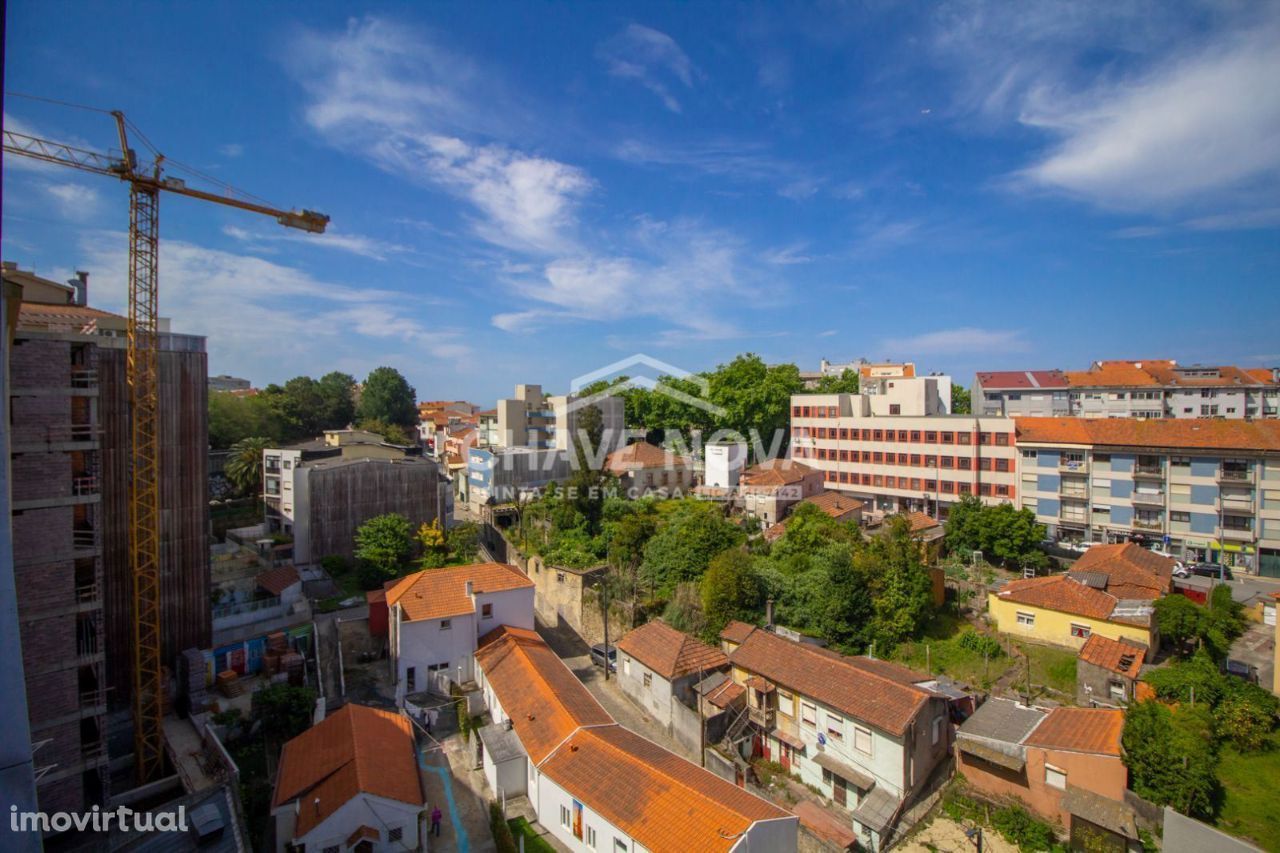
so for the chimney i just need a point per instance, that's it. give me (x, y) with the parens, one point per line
(768, 614)
(81, 286)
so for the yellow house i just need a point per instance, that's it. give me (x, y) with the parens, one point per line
(1064, 611)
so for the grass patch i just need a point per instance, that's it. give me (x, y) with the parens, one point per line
(533, 842)
(1249, 782)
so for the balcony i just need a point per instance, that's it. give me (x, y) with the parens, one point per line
(1148, 498)
(762, 717)
(1235, 475)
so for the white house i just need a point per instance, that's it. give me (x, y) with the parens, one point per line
(866, 733)
(436, 616)
(599, 787)
(349, 782)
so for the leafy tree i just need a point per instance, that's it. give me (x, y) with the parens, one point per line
(846, 383)
(283, 711)
(384, 545)
(961, 402)
(244, 464)
(1171, 756)
(387, 396)
(337, 399)
(691, 534)
(729, 590)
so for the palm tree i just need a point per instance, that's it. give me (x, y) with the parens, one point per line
(244, 465)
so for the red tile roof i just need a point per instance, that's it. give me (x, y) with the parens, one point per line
(669, 652)
(277, 580)
(355, 750)
(1118, 657)
(1132, 571)
(656, 797)
(1191, 434)
(1019, 379)
(544, 700)
(853, 686)
(441, 593)
(1080, 730)
(776, 472)
(644, 455)
(1060, 593)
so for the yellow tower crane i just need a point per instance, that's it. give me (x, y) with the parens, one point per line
(143, 371)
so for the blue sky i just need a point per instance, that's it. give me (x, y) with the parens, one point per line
(522, 193)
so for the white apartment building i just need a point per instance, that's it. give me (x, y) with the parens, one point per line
(1202, 489)
(1158, 388)
(897, 449)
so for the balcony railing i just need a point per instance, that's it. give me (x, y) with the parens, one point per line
(762, 717)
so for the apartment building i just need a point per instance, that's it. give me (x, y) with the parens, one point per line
(68, 433)
(1159, 388)
(1204, 489)
(320, 491)
(533, 419)
(865, 733)
(895, 447)
(593, 784)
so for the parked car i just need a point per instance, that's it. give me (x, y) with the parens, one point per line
(1212, 570)
(598, 655)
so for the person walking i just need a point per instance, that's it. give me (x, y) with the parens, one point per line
(436, 815)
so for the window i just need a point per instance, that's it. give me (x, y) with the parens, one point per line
(937, 728)
(1028, 619)
(446, 624)
(808, 714)
(835, 727)
(1055, 777)
(1080, 632)
(591, 838)
(486, 611)
(862, 739)
(395, 833)
(648, 679)
(566, 819)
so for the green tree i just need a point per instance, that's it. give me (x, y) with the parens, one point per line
(337, 398)
(1171, 756)
(961, 403)
(691, 533)
(384, 545)
(730, 590)
(283, 711)
(387, 396)
(244, 465)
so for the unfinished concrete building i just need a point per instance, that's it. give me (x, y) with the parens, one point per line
(69, 416)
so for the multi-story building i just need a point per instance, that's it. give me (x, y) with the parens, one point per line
(69, 439)
(1159, 388)
(865, 733)
(1203, 489)
(320, 491)
(532, 419)
(895, 447)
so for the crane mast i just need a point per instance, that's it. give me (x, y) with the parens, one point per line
(143, 373)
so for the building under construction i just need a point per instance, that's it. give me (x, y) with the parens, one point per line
(69, 446)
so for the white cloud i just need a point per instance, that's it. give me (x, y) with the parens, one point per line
(259, 315)
(651, 58)
(958, 341)
(406, 104)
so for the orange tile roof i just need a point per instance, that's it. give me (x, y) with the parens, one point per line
(544, 700)
(776, 472)
(441, 593)
(669, 652)
(659, 799)
(1132, 571)
(1080, 730)
(863, 692)
(1118, 657)
(277, 580)
(355, 750)
(1192, 434)
(1060, 593)
(644, 455)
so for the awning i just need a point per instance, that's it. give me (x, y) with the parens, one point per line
(990, 753)
(877, 810)
(845, 771)
(1103, 811)
(789, 739)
